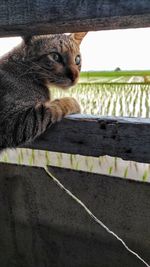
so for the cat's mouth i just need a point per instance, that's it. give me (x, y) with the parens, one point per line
(63, 84)
(67, 84)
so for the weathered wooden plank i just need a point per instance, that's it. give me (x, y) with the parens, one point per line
(41, 226)
(48, 16)
(128, 138)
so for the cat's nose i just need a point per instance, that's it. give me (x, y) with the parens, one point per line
(72, 74)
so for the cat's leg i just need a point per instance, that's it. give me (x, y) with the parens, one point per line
(62, 107)
(23, 124)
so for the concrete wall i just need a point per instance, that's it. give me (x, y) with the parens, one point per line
(40, 226)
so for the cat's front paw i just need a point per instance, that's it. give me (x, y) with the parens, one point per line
(69, 105)
(62, 107)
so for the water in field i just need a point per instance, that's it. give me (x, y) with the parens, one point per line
(102, 99)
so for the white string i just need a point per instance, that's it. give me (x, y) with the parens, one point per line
(93, 216)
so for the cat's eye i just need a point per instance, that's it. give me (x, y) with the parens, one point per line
(78, 60)
(56, 57)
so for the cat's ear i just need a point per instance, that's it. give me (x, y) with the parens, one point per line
(27, 39)
(78, 36)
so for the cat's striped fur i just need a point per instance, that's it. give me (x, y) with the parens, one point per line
(26, 74)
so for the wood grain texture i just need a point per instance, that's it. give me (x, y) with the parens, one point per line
(127, 138)
(48, 16)
(40, 226)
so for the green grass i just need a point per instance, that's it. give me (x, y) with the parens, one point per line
(121, 77)
(88, 74)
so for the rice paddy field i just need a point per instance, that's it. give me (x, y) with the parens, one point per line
(115, 93)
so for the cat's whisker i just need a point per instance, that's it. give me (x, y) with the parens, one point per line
(42, 75)
(20, 63)
(40, 67)
(31, 63)
(25, 73)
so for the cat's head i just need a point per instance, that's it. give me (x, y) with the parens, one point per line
(56, 58)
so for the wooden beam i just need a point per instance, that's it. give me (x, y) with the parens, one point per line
(48, 16)
(128, 138)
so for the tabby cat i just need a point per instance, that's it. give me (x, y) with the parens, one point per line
(26, 73)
